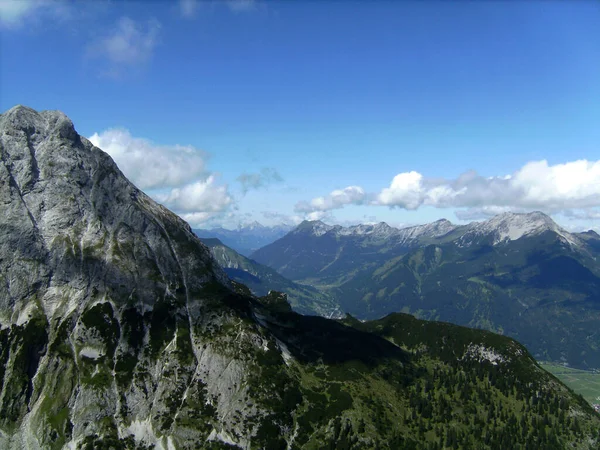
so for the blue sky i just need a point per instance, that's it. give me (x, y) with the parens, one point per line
(404, 112)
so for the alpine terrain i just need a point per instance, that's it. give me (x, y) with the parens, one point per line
(262, 279)
(118, 329)
(517, 274)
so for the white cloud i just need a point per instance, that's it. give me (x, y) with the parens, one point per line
(149, 165)
(537, 185)
(262, 179)
(14, 13)
(189, 8)
(174, 175)
(197, 219)
(405, 191)
(201, 196)
(335, 200)
(129, 44)
(319, 215)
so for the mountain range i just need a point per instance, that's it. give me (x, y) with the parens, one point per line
(119, 330)
(246, 238)
(517, 274)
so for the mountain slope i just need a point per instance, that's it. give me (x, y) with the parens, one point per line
(323, 255)
(542, 289)
(262, 279)
(519, 274)
(119, 330)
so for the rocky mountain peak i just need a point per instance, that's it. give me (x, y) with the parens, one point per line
(591, 234)
(511, 226)
(441, 227)
(380, 229)
(254, 225)
(315, 227)
(429, 230)
(79, 219)
(37, 124)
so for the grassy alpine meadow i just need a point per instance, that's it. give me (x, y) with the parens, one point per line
(584, 382)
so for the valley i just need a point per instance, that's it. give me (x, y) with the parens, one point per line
(584, 382)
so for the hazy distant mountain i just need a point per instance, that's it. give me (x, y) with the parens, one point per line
(519, 274)
(262, 279)
(246, 238)
(119, 330)
(326, 255)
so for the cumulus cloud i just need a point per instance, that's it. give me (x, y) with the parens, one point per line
(262, 179)
(201, 196)
(149, 165)
(174, 175)
(336, 199)
(129, 44)
(537, 185)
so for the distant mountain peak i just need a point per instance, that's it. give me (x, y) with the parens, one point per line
(510, 226)
(591, 233)
(254, 225)
(39, 124)
(380, 229)
(435, 229)
(315, 227)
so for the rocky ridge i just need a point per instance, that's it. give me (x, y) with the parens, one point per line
(508, 227)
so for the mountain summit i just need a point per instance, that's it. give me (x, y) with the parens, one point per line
(512, 226)
(119, 330)
(79, 220)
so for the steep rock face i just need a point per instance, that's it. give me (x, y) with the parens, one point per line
(69, 202)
